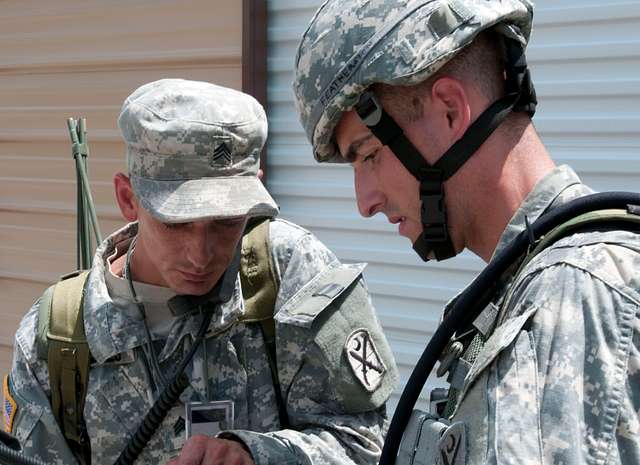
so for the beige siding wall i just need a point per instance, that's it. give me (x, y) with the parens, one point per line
(65, 58)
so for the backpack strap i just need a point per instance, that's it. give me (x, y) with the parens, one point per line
(257, 276)
(591, 221)
(598, 220)
(62, 341)
(259, 290)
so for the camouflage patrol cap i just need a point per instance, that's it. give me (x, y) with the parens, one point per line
(352, 44)
(193, 151)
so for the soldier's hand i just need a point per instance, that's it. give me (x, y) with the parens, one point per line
(204, 450)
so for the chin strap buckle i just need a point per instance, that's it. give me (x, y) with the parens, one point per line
(433, 213)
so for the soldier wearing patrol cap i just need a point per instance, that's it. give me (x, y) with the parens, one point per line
(165, 292)
(430, 101)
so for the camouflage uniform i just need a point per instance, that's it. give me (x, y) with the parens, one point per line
(193, 153)
(334, 417)
(557, 381)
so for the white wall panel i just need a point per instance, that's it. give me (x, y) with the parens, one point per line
(585, 59)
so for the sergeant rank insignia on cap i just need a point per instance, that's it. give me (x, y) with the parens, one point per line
(364, 360)
(221, 155)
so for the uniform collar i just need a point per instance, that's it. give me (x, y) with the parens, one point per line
(558, 187)
(115, 328)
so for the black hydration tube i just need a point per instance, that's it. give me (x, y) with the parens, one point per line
(475, 298)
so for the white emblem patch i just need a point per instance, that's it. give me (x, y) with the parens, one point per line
(364, 359)
(453, 445)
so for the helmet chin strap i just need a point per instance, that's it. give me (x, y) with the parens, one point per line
(435, 240)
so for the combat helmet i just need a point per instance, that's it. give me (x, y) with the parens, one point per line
(351, 45)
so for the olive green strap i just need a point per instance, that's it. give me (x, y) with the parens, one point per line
(257, 276)
(600, 218)
(68, 360)
(44, 314)
(259, 290)
(587, 222)
(470, 355)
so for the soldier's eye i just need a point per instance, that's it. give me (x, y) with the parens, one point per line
(175, 226)
(231, 222)
(371, 156)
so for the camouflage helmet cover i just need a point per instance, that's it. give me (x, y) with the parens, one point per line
(352, 44)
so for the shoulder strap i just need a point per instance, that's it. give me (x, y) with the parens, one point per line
(260, 289)
(68, 359)
(612, 219)
(257, 275)
(591, 221)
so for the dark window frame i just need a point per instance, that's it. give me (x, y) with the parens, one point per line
(254, 57)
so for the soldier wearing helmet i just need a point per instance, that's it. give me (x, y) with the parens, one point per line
(431, 101)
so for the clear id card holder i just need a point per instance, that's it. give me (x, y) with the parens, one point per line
(208, 418)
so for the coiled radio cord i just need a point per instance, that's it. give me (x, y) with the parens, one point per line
(154, 418)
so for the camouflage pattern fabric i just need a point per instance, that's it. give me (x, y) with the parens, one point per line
(193, 151)
(334, 418)
(557, 381)
(350, 45)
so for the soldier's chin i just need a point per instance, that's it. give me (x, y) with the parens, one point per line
(190, 287)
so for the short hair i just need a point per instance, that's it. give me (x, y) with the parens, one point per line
(481, 64)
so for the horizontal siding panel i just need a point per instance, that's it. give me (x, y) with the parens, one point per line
(54, 191)
(89, 30)
(17, 294)
(44, 207)
(65, 221)
(34, 265)
(551, 13)
(202, 57)
(91, 88)
(57, 168)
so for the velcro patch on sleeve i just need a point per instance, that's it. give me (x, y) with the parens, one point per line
(10, 407)
(318, 294)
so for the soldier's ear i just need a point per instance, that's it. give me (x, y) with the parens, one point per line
(451, 101)
(125, 197)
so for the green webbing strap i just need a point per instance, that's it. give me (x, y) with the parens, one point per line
(470, 355)
(259, 289)
(257, 276)
(591, 221)
(68, 361)
(617, 218)
(44, 314)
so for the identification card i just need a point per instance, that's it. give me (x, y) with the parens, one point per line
(208, 418)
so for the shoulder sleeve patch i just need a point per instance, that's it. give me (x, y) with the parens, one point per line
(10, 407)
(366, 364)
